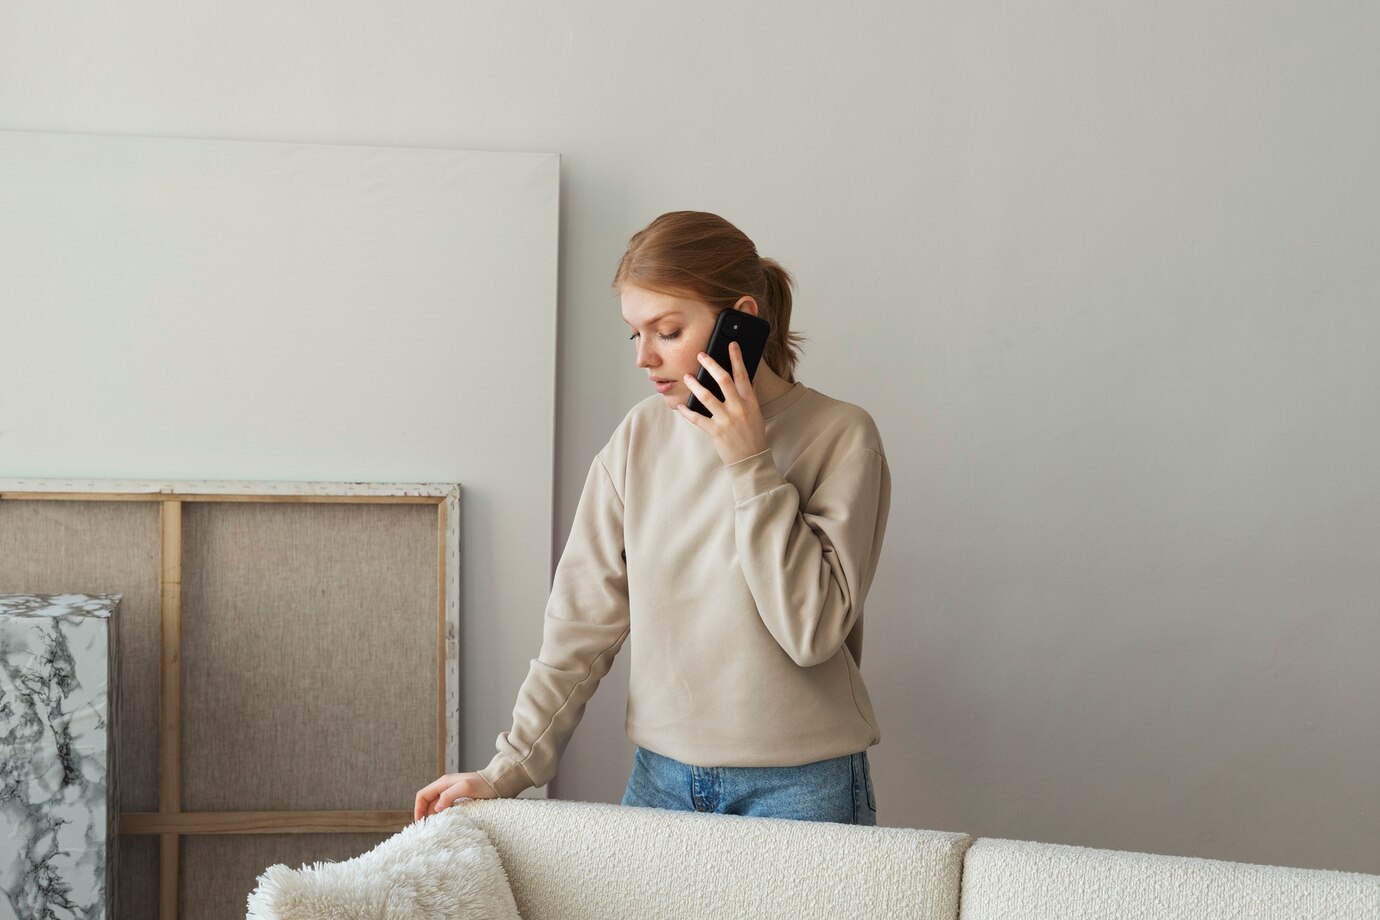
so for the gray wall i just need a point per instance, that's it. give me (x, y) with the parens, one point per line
(1104, 274)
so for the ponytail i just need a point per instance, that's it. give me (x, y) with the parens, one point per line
(783, 346)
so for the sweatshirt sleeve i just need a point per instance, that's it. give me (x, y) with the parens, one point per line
(809, 565)
(586, 624)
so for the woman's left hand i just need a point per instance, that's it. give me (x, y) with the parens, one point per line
(736, 426)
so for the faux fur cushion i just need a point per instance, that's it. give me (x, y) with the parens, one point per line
(441, 867)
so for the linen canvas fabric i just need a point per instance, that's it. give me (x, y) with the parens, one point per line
(740, 590)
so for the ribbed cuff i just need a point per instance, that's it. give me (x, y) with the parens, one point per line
(506, 779)
(753, 476)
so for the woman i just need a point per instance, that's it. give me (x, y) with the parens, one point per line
(733, 553)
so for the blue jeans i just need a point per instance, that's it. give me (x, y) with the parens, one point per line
(837, 790)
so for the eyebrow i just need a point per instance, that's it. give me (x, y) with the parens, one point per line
(656, 319)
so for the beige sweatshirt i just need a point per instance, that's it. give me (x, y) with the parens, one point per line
(739, 590)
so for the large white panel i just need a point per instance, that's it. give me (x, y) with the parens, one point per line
(264, 311)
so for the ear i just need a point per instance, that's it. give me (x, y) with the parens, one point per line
(747, 305)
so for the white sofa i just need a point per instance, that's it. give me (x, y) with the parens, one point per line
(537, 859)
(571, 860)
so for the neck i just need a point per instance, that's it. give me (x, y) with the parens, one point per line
(767, 384)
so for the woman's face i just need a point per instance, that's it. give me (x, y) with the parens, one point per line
(668, 333)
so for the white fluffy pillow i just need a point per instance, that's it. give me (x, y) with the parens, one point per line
(442, 867)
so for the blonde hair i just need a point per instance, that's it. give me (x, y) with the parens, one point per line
(702, 256)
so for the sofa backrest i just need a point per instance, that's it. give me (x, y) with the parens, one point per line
(1009, 879)
(570, 860)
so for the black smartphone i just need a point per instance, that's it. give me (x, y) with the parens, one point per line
(750, 332)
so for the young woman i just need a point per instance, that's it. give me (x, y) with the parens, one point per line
(731, 553)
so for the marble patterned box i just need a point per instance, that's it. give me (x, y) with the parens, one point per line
(57, 793)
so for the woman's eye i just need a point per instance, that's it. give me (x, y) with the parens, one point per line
(664, 335)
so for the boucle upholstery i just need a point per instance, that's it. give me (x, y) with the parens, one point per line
(571, 860)
(1022, 880)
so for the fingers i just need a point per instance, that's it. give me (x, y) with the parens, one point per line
(740, 374)
(425, 796)
(424, 807)
(716, 370)
(707, 398)
(742, 384)
(691, 416)
(428, 797)
(450, 789)
(431, 806)
(457, 793)
(437, 786)
(736, 387)
(729, 384)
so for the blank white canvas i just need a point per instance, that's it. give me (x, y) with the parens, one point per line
(204, 309)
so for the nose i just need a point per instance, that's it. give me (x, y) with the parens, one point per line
(646, 353)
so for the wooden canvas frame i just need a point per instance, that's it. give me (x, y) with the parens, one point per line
(170, 822)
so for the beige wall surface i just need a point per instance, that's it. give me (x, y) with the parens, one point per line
(1104, 274)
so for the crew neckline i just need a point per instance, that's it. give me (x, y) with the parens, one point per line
(784, 401)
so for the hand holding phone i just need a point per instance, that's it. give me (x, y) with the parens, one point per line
(750, 332)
